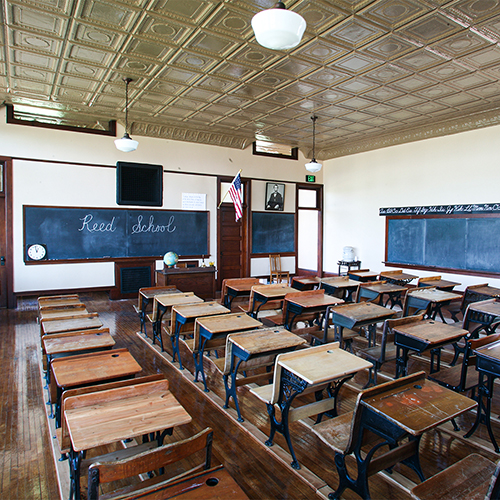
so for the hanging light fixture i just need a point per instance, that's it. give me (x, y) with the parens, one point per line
(278, 28)
(126, 143)
(313, 165)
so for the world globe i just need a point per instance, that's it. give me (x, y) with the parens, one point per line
(170, 259)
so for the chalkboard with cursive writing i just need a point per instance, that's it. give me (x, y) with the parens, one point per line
(72, 233)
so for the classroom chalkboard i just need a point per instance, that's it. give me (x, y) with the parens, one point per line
(273, 232)
(455, 243)
(71, 233)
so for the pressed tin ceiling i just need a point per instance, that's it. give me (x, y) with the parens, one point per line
(376, 73)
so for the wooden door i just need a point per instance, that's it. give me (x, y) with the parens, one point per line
(232, 254)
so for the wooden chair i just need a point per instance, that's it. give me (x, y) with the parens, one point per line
(386, 351)
(104, 471)
(346, 436)
(276, 275)
(474, 477)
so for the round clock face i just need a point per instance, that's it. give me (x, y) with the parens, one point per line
(37, 252)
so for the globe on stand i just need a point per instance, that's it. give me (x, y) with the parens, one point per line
(170, 259)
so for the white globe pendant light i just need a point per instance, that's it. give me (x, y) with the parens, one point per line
(278, 28)
(313, 166)
(126, 144)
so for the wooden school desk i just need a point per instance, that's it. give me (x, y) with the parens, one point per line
(248, 347)
(264, 293)
(304, 303)
(305, 371)
(58, 300)
(437, 282)
(429, 299)
(65, 312)
(361, 314)
(302, 283)
(484, 313)
(49, 326)
(340, 286)
(239, 287)
(105, 417)
(362, 275)
(163, 304)
(422, 336)
(146, 297)
(488, 365)
(391, 290)
(88, 369)
(211, 332)
(187, 313)
(397, 277)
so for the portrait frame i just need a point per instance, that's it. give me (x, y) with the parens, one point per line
(275, 196)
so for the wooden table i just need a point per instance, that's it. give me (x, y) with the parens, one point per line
(49, 326)
(146, 297)
(304, 371)
(362, 275)
(187, 313)
(429, 299)
(397, 277)
(249, 346)
(88, 369)
(421, 336)
(391, 290)
(212, 484)
(488, 365)
(307, 304)
(163, 303)
(340, 286)
(361, 314)
(264, 293)
(440, 284)
(211, 331)
(305, 282)
(100, 418)
(485, 313)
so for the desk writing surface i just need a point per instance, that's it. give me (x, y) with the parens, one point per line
(385, 287)
(67, 325)
(340, 282)
(431, 332)
(317, 300)
(322, 363)
(419, 406)
(269, 339)
(152, 292)
(491, 351)
(228, 323)
(438, 283)
(363, 311)
(64, 313)
(173, 299)
(54, 344)
(433, 295)
(487, 290)
(271, 291)
(486, 306)
(397, 275)
(58, 301)
(91, 368)
(123, 413)
(189, 311)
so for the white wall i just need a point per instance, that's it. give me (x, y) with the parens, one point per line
(461, 168)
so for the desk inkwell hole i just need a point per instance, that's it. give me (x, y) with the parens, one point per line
(330, 351)
(417, 386)
(212, 481)
(114, 355)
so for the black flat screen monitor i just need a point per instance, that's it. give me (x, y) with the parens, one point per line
(139, 184)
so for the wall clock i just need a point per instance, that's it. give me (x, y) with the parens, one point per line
(37, 251)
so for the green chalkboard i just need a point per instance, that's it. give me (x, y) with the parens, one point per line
(455, 243)
(273, 232)
(76, 233)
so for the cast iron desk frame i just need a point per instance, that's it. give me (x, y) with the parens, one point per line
(260, 297)
(295, 307)
(146, 298)
(233, 291)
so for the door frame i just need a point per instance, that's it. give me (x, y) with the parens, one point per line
(6, 196)
(245, 222)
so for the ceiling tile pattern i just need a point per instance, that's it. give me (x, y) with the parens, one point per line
(375, 72)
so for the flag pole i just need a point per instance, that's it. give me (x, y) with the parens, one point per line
(222, 201)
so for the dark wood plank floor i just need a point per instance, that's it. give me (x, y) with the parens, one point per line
(27, 470)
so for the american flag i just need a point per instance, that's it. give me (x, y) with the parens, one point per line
(235, 193)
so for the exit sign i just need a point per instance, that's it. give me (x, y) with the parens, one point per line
(310, 178)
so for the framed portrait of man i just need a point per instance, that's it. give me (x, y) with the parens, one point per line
(275, 196)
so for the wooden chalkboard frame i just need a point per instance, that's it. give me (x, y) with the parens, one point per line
(112, 258)
(452, 270)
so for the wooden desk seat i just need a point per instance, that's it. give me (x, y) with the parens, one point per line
(235, 282)
(62, 434)
(105, 470)
(57, 300)
(386, 351)
(345, 435)
(474, 478)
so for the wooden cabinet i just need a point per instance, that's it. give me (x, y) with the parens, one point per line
(200, 280)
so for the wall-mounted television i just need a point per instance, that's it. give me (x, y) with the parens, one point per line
(139, 184)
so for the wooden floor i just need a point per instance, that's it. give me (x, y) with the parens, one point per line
(28, 472)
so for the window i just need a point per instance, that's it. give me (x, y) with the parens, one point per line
(275, 150)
